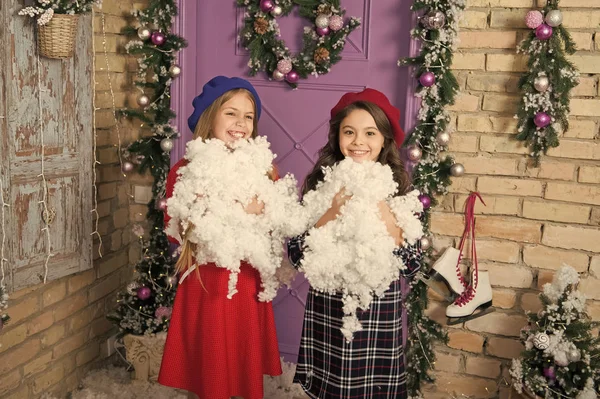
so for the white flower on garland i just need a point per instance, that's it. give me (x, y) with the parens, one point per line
(353, 254)
(210, 196)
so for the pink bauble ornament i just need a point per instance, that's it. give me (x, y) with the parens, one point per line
(336, 23)
(278, 75)
(284, 66)
(143, 293)
(425, 200)
(322, 31)
(550, 373)
(542, 119)
(414, 153)
(427, 79)
(543, 32)
(161, 204)
(127, 167)
(163, 312)
(292, 77)
(158, 38)
(533, 19)
(266, 5)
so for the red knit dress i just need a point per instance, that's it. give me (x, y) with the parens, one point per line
(218, 347)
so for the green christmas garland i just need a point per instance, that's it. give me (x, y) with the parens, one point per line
(545, 105)
(145, 307)
(437, 32)
(322, 47)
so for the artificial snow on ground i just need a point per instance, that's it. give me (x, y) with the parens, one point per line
(116, 383)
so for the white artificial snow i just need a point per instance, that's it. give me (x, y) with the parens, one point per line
(353, 254)
(210, 195)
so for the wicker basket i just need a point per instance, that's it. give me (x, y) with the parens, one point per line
(56, 39)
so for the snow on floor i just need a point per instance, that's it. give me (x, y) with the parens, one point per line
(116, 383)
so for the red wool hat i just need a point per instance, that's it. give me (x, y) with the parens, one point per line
(378, 98)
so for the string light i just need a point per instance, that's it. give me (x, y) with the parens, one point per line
(96, 162)
(3, 260)
(44, 201)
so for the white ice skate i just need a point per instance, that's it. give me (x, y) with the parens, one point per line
(474, 302)
(446, 269)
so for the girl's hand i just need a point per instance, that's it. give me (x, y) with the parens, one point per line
(336, 204)
(255, 207)
(390, 222)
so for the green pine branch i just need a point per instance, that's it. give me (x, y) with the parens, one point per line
(431, 175)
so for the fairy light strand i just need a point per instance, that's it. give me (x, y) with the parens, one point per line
(3, 260)
(94, 210)
(42, 175)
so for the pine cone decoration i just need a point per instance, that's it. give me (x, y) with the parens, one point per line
(324, 9)
(321, 55)
(261, 26)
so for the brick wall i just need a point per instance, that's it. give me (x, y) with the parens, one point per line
(536, 218)
(58, 331)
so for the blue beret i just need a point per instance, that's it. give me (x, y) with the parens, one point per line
(214, 89)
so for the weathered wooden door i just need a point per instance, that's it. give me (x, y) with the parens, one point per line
(295, 121)
(45, 108)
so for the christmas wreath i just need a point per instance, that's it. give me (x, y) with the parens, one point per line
(323, 43)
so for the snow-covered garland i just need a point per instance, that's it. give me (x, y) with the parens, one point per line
(438, 33)
(145, 307)
(211, 192)
(544, 109)
(561, 357)
(44, 10)
(353, 254)
(323, 42)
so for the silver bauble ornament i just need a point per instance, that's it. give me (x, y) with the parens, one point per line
(443, 138)
(127, 167)
(171, 280)
(144, 33)
(425, 243)
(322, 21)
(174, 71)
(143, 100)
(554, 18)
(278, 75)
(541, 341)
(574, 355)
(132, 288)
(541, 83)
(414, 153)
(166, 145)
(434, 20)
(277, 11)
(457, 170)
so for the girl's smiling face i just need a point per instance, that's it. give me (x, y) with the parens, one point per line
(235, 119)
(359, 137)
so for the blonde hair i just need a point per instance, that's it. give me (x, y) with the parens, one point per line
(204, 131)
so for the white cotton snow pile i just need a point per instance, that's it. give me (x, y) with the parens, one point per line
(210, 195)
(354, 253)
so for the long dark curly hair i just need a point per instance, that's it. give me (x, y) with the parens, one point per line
(331, 153)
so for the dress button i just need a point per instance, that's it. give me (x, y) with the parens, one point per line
(298, 146)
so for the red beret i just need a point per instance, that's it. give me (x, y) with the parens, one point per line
(379, 99)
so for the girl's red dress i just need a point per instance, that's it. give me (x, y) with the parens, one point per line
(218, 347)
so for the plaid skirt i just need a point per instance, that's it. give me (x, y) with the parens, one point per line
(372, 364)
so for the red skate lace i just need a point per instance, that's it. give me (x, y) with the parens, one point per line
(470, 289)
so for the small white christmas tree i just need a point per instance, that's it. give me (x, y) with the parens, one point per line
(561, 357)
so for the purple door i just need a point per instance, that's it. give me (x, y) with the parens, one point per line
(295, 121)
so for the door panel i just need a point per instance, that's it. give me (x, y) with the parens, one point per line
(295, 121)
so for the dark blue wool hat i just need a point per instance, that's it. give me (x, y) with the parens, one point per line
(214, 89)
